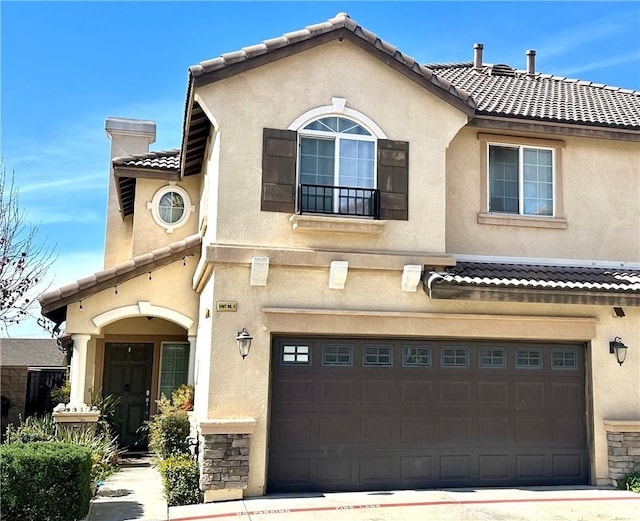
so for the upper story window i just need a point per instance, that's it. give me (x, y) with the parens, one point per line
(334, 160)
(171, 207)
(336, 168)
(521, 180)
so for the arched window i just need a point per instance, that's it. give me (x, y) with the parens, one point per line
(336, 167)
(334, 160)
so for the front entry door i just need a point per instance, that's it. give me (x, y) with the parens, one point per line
(127, 376)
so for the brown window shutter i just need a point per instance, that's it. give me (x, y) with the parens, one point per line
(393, 179)
(279, 170)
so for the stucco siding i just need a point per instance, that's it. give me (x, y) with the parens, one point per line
(240, 388)
(244, 104)
(600, 190)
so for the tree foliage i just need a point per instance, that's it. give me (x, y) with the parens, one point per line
(23, 261)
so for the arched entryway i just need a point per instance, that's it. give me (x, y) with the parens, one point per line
(139, 353)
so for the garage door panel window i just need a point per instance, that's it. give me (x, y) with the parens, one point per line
(529, 358)
(377, 356)
(455, 357)
(296, 354)
(337, 354)
(492, 358)
(564, 359)
(416, 356)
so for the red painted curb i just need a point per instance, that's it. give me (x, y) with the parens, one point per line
(396, 505)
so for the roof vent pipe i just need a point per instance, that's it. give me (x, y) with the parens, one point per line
(531, 62)
(477, 56)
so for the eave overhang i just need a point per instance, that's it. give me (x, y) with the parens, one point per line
(152, 165)
(535, 284)
(520, 124)
(54, 303)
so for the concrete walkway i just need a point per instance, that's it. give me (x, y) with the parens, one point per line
(133, 493)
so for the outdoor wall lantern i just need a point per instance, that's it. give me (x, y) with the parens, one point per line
(619, 349)
(243, 341)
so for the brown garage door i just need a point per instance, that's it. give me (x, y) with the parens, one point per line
(367, 414)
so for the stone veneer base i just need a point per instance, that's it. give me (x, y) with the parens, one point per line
(224, 465)
(623, 448)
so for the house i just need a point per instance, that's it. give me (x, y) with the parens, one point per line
(29, 369)
(437, 268)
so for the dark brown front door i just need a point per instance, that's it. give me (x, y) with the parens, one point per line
(127, 376)
(371, 414)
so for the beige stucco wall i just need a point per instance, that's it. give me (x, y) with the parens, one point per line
(444, 202)
(240, 388)
(244, 104)
(119, 237)
(600, 196)
(149, 235)
(169, 288)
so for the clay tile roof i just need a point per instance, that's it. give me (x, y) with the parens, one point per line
(540, 277)
(544, 97)
(161, 160)
(341, 21)
(53, 303)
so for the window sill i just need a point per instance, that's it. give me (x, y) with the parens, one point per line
(321, 223)
(530, 221)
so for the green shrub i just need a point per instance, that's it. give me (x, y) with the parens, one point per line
(33, 428)
(44, 481)
(168, 430)
(630, 482)
(103, 446)
(60, 394)
(181, 477)
(182, 397)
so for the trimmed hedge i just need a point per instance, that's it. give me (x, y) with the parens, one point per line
(44, 481)
(181, 480)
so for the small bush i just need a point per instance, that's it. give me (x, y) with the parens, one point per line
(630, 482)
(182, 397)
(181, 478)
(33, 428)
(44, 481)
(60, 394)
(169, 430)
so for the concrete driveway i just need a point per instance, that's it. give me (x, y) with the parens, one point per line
(526, 504)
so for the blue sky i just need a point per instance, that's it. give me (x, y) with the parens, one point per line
(66, 66)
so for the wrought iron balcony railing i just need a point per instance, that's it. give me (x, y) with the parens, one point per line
(339, 200)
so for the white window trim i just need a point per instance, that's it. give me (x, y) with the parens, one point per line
(520, 149)
(154, 204)
(338, 108)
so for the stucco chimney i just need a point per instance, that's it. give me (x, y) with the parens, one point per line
(531, 62)
(128, 137)
(477, 56)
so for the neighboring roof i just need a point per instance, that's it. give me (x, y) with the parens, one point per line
(544, 97)
(31, 352)
(620, 285)
(163, 164)
(54, 303)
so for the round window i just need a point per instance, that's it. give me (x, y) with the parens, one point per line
(171, 207)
